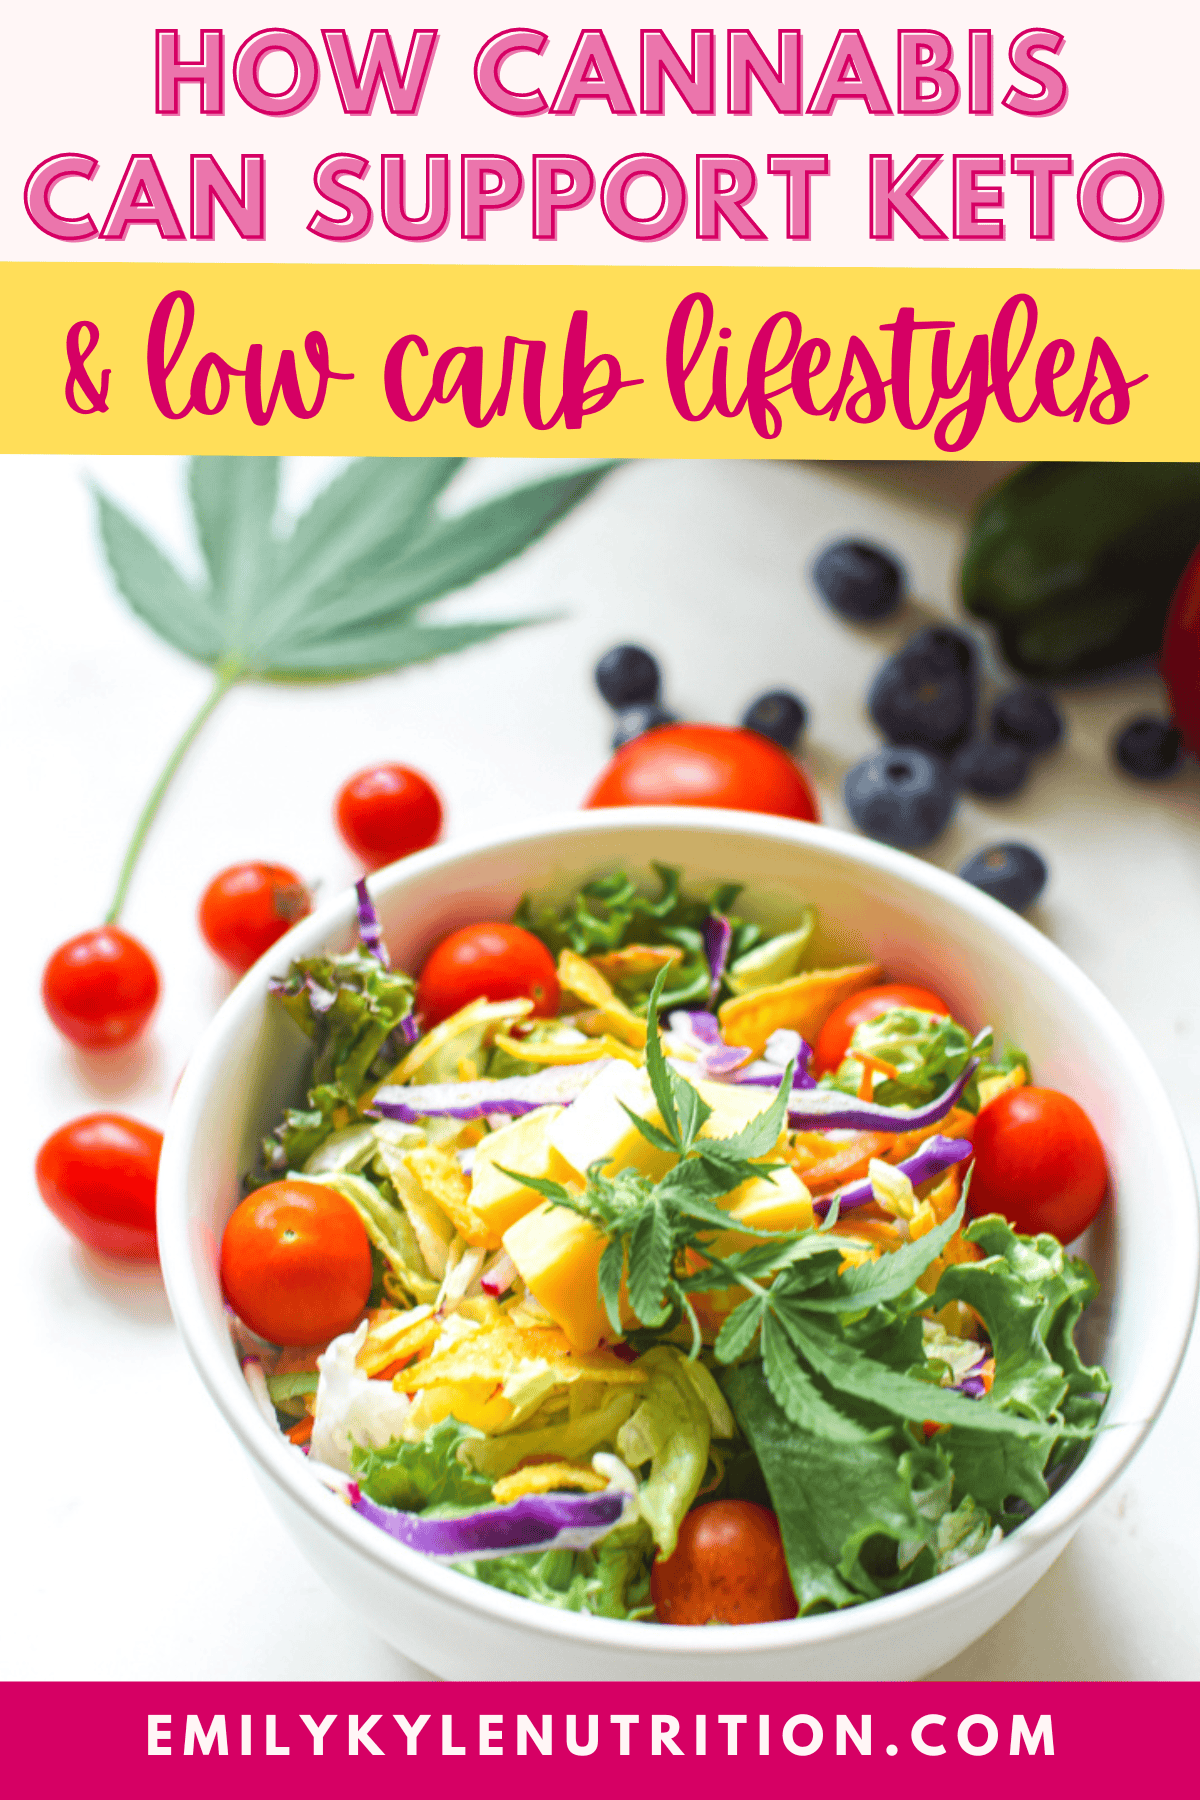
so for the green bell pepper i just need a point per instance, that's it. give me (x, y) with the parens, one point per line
(1075, 563)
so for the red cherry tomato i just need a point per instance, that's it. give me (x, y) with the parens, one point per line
(296, 1263)
(1039, 1162)
(100, 988)
(97, 1175)
(1181, 655)
(728, 1568)
(706, 765)
(844, 1020)
(489, 961)
(245, 908)
(387, 812)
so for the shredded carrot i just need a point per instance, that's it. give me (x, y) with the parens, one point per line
(871, 1066)
(393, 1368)
(301, 1431)
(849, 1160)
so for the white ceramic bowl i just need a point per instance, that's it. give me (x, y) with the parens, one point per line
(924, 926)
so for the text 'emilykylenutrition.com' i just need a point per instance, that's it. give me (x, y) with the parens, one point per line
(623, 1734)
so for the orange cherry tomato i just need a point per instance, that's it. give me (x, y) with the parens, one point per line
(1039, 1162)
(296, 1263)
(488, 961)
(100, 988)
(833, 1040)
(245, 908)
(387, 812)
(98, 1176)
(706, 765)
(728, 1568)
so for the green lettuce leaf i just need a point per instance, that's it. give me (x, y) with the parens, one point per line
(428, 1473)
(357, 1005)
(845, 1508)
(611, 911)
(351, 1008)
(405, 1275)
(301, 1133)
(573, 1440)
(927, 1051)
(1002, 1063)
(670, 1430)
(612, 1581)
(347, 1151)
(833, 1411)
(619, 1579)
(997, 1470)
(1030, 1295)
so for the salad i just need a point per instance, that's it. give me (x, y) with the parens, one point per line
(629, 1262)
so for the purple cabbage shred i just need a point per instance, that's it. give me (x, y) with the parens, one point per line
(369, 930)
(508, 1098)
(828, 1110)
(933, 1157)
(718, 936)
(535, 1522)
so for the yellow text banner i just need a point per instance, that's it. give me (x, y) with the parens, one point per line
(397, 361)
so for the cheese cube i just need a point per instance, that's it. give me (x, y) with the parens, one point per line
(596, 1128)
(777, 1203)
(525, 1146)
(558, 1255)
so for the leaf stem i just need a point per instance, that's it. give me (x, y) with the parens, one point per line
(226, 675)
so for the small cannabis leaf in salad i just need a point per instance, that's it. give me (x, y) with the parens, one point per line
(651, 1224)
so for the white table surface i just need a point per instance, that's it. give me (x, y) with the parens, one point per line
(139, 1545)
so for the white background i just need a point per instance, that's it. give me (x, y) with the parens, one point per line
(85, 83)
(137, 1543)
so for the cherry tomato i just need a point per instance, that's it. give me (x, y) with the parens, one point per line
(1039, 1162)
(706, 765)
(728, 1568)
(1181, 655)
(100, 988)
(244, 909)
(387, 812)
(296, 1263)
(489, 961)
(97, 1175)
(834, 1039)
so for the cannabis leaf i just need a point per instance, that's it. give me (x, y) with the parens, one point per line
(340, 595)
(650, 1225)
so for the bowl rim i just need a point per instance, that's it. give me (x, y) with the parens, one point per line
(1046, 1531)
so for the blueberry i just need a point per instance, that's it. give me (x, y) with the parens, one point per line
(991, 768)
(1149, 748)
(1027, 717)
(902, 797)
(1012, 873)
(635, 721)
(924, 696)
(946, 648)
(627, 675)
(859, 581)
(779, 716)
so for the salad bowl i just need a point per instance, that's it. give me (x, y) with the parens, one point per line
(923, 926)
